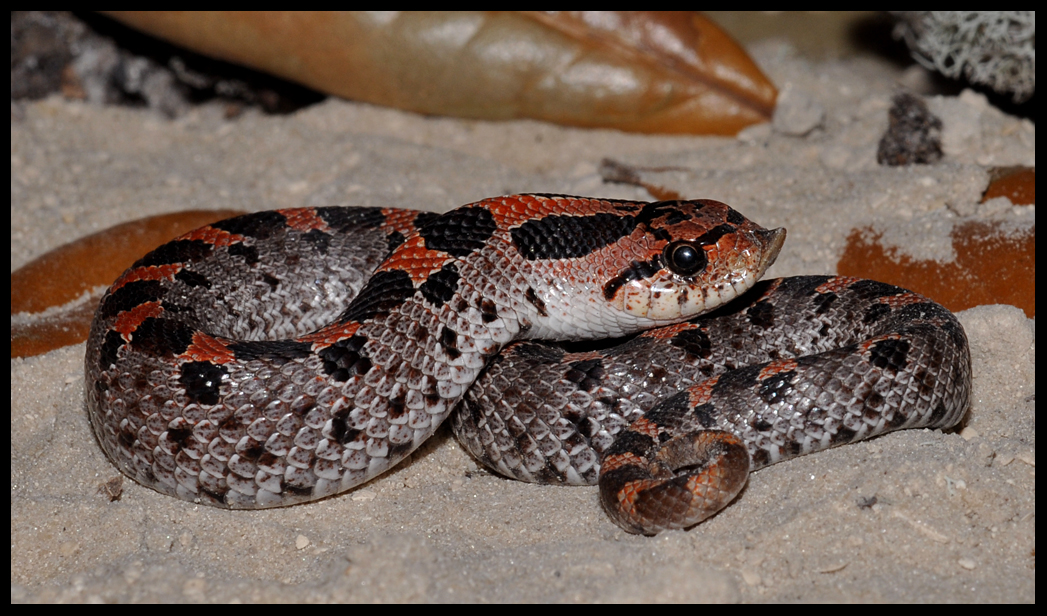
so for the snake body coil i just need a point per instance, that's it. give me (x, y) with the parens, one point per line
(284, 356)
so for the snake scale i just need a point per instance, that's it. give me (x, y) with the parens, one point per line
(285, 356)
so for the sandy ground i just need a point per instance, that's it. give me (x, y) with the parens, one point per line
(954, 519)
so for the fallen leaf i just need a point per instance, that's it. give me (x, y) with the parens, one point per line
(45, 291)
(644, 71)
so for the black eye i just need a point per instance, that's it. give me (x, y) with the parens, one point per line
(684, 259)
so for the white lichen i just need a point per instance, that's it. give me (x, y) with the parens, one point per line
(993, 48)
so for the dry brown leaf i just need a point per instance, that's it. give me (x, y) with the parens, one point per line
(45, 291)
(646, 71)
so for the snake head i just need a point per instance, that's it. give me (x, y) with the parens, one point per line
(604, 268)
(700, 255)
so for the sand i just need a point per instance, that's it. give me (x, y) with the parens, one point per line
(954, 519)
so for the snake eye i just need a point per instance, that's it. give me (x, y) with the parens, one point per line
(684, 258)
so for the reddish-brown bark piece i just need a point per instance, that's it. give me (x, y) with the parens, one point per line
(992, 266)
(1016, 183)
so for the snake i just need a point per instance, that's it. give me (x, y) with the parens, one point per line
(285, 356)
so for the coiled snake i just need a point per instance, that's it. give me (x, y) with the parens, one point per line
(285, 356)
